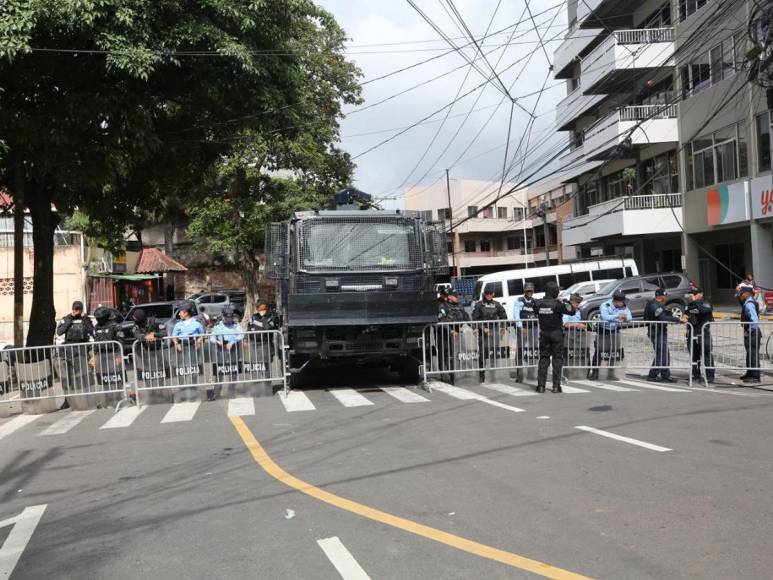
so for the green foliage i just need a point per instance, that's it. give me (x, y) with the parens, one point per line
(101, 234)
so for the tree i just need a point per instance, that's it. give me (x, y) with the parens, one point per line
(115, 107)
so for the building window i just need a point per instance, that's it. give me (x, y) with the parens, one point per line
(688, 7)
(731, 255)
(450, 246)
(540, 233)
(620, 183)
(513, 242)
(485, 246)
(660, 174)
(518, 214)
(487, 212)
(472, 211)
(763, 142)
(469, 246)
(695, 76)
(426, 215)
(719, 157)
(444, 214)
(708, 69)
(717, 67)
(502, 213)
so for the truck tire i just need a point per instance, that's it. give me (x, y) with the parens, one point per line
(409, 371)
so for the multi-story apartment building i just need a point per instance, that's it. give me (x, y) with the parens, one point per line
(725, 157)
(621, 116)
(519, 231)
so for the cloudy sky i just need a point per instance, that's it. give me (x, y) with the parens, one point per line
(390, 35)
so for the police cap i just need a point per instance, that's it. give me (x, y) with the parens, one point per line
(228, 311)
(695, 290)
(575, 298)
(188, 306)
(102, 313)
(661, 292)
(619, 297)
(528, 287)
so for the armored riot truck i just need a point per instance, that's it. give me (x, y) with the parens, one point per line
(356, 285)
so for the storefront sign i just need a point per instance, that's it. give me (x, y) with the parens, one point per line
(727, 204)
(762, 197)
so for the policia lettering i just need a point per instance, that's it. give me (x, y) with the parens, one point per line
(550, 312)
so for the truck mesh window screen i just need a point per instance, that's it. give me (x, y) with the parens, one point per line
(359, 244)
(276, 251)
(437, 247)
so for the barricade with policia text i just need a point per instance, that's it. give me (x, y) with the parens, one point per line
(591, 349)
(735, 349)
(188, 368)
(451, 349)
(88, 375)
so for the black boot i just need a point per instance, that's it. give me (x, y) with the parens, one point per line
(482, 377)
(540, 389)
(557, 389)
(210, 395)
(593, 374)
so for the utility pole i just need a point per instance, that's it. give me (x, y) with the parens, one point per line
(18, 259)
(451, 224)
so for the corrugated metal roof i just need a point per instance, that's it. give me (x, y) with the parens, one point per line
(153, 260)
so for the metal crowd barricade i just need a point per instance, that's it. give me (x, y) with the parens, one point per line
(453, 348)
(88, 374)
(734, 347)
(214, 363)
(633, 346)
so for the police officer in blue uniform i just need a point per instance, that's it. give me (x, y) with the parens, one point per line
(655, 311)
(699, 313)
(525, 308)
(752, 335)
(550, 311)
(613, 313)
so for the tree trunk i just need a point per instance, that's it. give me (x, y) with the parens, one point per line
(44, 222)
(18, 258)
(249, 266)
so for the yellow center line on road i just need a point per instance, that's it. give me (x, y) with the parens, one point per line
(269, 466)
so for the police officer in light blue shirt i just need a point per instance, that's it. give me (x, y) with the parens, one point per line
(227, 338)
(752, 336)
(187, 326)
(613, 313)
(573, 320)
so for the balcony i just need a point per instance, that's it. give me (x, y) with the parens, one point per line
(574, 106)
(624, 56)
(642, 124)
(493, 225)
(511, 258)
(604, 13)
(575, 45)
(636, 215)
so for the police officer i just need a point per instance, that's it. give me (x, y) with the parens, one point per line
(263, 319)
(442, 304)
(488, 310)
(699, 313)
(752, 336)
(525, 308)
(655, 311)
(262, 348)
(449, 337)
(613, 313)
(227, 338)
(106, 329)
(550, 311)
(76, 329)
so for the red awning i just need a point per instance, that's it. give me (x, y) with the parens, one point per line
(153, 260)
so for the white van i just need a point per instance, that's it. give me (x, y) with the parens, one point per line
(508, 285)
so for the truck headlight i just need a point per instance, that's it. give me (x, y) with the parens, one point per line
(391, 282)
(331, 284)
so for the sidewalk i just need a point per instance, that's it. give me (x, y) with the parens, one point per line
(730, 312)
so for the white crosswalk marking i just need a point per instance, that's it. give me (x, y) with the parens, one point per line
(604, 386)
(350, 398)
(297, 401)
(653, 387)
(342, 559)
(404, 395)
(241, 407)
(181, 412)
(16, 423)
(508, 390)
(573, 390)
(124, 418)
(465, 395)
(66, 423)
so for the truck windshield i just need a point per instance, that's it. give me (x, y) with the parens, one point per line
(359, 245)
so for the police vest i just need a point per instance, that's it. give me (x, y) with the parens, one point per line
(550, 312)
(105, 333)
(528, 308)
(77, 331)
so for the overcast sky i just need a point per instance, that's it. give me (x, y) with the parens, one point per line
(389, 35)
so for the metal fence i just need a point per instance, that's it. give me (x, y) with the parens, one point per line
(212, 363)
(657, 347)
(90, 374)
(452, 348)
(734, 346)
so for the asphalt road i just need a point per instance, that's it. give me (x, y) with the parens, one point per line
(479, 482)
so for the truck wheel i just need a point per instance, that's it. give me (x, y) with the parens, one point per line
(409, 371)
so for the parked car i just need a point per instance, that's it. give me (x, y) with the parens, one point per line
(212, 303)
(584, 289)
(639, 290)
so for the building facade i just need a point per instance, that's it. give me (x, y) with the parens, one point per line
(519, 231)
(620, 114)
(725, 160)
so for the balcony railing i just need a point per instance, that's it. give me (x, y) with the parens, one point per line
(644, 36)
(654, 201)
(646, 112)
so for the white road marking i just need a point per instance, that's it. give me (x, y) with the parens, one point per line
(23, 527)
(604, 386)
(342, 559)
(603, 433)
(16, 423)
(297, 401)
(66, 423)
(570, 390)
(241, 407)
(350, 398)
(181, 412)
(465, 395)
(404, 395)
(508, 390)
(652, 386)
(123, 418)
